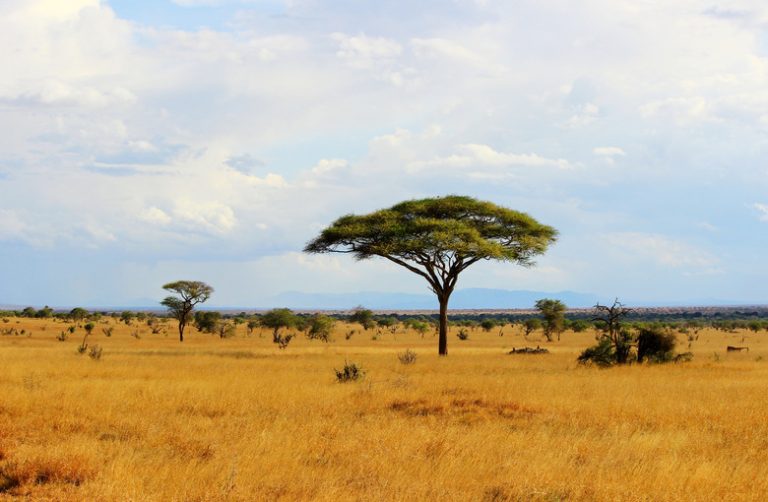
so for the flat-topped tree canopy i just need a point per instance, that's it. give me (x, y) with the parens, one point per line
(437, 238)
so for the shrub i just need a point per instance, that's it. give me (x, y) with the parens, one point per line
(487, 325)
(282, 341)
(72, 329)
(407, 357)
(603, 354)
(207, 322)
(226, 330)
(349, 373)
(321, 327)
(655, 345)
(463, 334)
(95, 352)
(62, 337)
(107, 331)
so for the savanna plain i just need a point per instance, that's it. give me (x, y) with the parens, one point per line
(239, 419)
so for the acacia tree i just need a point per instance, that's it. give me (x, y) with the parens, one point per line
(190, 293)
(438, 238)
(553, 312)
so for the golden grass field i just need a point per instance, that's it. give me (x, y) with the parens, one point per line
(238, 419)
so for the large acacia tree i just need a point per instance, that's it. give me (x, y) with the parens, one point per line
(189, 294)
(438, 238)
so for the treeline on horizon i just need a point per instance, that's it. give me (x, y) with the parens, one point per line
(578, 321)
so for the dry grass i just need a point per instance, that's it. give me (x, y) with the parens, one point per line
(238, 419)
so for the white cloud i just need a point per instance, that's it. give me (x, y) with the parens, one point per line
(763, 209)
(663, 250)
(478, 156)
(156, 216)
(608, 151)
(362, 51)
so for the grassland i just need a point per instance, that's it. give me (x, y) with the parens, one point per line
(238, 419)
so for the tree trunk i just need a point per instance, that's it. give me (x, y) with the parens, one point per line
(443, 339)
(181, 331)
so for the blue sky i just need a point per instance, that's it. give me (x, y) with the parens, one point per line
(148, 141)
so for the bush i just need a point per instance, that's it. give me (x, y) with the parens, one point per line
(207, 322)
(226, 330)
(407, 357)
(62, 337)
(349, 373)
(95, 352)
(107, 331)
(603, 354)
(321, 327)
(655, 345)
(282, 341)
(463, 334)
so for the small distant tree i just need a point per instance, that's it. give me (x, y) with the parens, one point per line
(207, 322)
(363, 317)
(44, 312)
(189, 294)
(530, 325)
(488, 324)
(252, 324)
(389, 323)
(78, 314)
(553, 312)
(615, 342)
(579, 326)
(321, 327)
(610, 319)
(28, 312)
(127, 316)
(277, 319)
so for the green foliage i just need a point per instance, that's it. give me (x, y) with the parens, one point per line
(463, 334)
(438, 238)
(78, 314)
(226, 329)
(363, 316)
(188, 295)
(578, 326)
(127, 316)
(454, 224)
(553, 312)
(252, 324)
(349, 373)
(655, 345)
(603, 354)
(207, 321)
(488, 324)
(321, 327)
(88, 327)
(277, 319)
(531, 324)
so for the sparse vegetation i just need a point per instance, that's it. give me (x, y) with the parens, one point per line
(480, 408)
(349, 373)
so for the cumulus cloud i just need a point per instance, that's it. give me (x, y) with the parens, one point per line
(155, 137)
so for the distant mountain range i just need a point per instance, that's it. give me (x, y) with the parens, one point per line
(472, 298)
